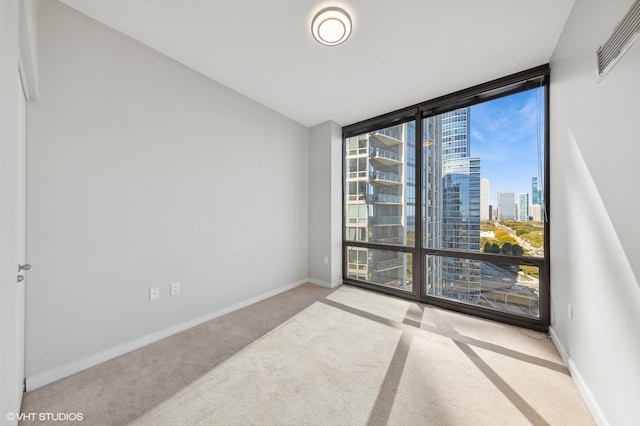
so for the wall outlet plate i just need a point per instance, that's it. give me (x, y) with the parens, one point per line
(154, 293)
(175, 288)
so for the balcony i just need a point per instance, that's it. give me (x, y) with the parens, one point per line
(358, 175)
(388, 198)
(386, 157)
(387, 220)
(393, 240)
(387, 178)
(389, 137)
(357, 152)
(385, 265)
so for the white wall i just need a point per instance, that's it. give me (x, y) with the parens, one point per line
(11, 293)
(595, 239)
(325, 204)
(142, 172)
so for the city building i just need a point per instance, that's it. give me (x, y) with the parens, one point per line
(461, 195)
(536, 212)
(380, 202)
(485, 212)
(536, 194)
(523, 207)
(506, 206)
(537, 201)
(433, 190)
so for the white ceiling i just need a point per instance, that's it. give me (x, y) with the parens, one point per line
(400, 53)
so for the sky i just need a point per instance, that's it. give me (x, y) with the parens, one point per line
(505, 134)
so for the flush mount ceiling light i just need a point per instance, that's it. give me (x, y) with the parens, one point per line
(331, 26)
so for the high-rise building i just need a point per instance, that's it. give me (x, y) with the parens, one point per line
(455, 128)
(523, 207)
(536, 212)
(460, 206)
(432, 228)
(484, 199)
(380, 202)
(506, 206)
(536, 194)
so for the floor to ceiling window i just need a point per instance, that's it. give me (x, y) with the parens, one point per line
(445, 202)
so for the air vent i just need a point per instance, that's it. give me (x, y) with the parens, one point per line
(626, 32)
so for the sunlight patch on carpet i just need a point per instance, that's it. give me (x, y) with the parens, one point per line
(391, 308)
(440, 385)
(323, 363)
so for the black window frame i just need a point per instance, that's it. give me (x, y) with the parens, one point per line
(515, 83)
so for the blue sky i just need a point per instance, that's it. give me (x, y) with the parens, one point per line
(505, 133)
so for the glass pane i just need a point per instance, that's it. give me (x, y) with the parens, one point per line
(380, 186)
(507, 288)
(384, 267)
(482, 177)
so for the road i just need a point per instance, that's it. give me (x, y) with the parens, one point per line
(534, 251)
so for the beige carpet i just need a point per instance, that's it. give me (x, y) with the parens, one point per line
(328, 357)
(122, 389)
(361, 358)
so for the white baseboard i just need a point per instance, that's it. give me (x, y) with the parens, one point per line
(583, 388)
(327, 284)
(321, 283)
(591, 402)
(561, 350)
(38, 380)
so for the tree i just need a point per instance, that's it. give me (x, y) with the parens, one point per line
(506, 248)
(516, 250)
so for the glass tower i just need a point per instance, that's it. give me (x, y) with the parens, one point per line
(460, 206)
(523, 207)
(536, 194)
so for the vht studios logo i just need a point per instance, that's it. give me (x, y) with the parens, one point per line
(46, 417)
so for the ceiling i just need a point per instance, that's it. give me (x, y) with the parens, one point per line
(400, 53)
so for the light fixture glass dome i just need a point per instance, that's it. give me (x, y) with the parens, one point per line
(331, 26)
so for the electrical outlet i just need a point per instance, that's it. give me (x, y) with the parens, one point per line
(175, 288)
(326, 260)
(570, 312)
(154, 293)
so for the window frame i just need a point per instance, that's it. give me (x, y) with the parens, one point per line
(515, 83)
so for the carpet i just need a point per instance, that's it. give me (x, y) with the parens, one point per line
(360, 358)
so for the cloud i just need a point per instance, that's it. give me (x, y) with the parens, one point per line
(515, 119)
(477, 135)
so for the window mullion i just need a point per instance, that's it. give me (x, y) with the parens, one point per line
(418, 267)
